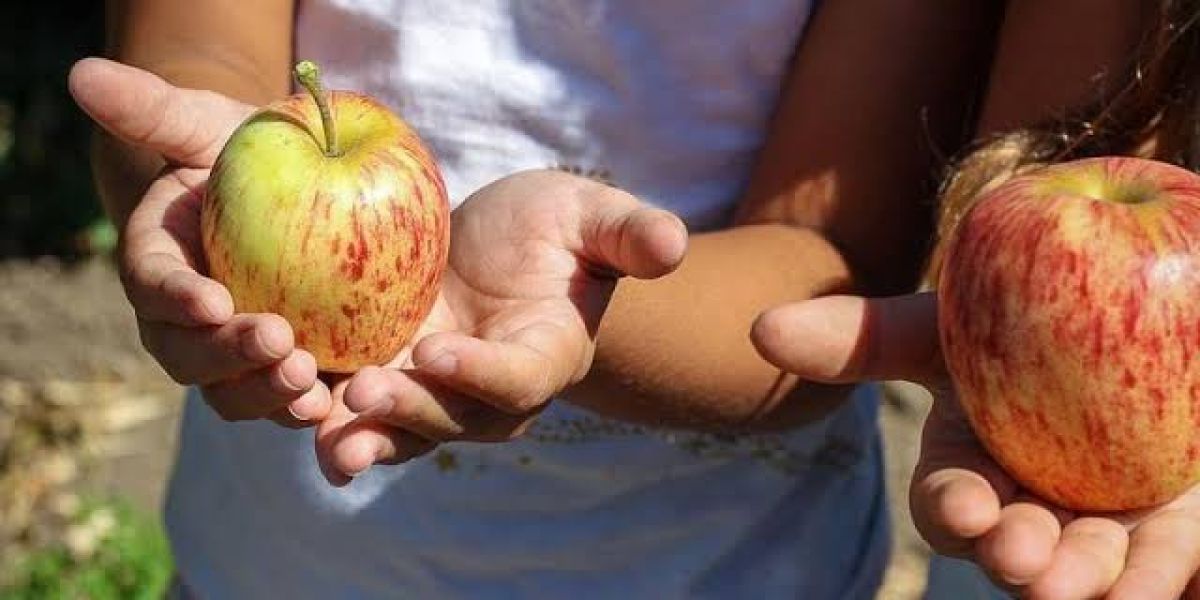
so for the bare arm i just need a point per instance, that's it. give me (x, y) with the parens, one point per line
(1058, 55)
(840, 199)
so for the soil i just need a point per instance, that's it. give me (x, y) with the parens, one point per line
(67, 337)
(84, 411)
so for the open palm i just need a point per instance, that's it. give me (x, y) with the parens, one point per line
(534, 259)
(963, 503)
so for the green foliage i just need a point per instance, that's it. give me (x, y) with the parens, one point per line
(47, 202)
(132, 562)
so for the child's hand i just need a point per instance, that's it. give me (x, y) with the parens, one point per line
(534, 258)
(246, 364)
(963, 502)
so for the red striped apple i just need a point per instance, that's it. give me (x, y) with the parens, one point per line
(1069, 312)
(328, 210)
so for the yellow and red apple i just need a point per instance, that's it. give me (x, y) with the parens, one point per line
(328, 210)
(1069, 311)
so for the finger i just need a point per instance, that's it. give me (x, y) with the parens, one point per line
(186, 126)
(307, 410)
(403, 400)
(1164, 553)
(1021, 545)
(517, 375)
(1089, 558)
(162, 287)
(844, 339)
(263, 392)
(618, 233)
(342, 453)
(204, 355)
(364, 442)
(328, 432)
(952, 508)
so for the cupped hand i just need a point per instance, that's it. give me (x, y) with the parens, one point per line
(534, 259)
(246, 365)
(963, 503)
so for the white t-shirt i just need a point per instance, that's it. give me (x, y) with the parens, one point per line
(670, 98)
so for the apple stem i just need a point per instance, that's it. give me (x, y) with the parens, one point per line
(309, 76)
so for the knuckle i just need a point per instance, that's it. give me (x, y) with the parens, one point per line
(406, 411)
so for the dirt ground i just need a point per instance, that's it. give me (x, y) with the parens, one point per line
(83, 410)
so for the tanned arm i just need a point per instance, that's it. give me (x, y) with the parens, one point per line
(1056, 55)
(840, 200)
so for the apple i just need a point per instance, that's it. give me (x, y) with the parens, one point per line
(1069, 315)
(328, 210)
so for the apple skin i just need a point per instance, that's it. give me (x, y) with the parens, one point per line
(349, 249)
(1071, 330)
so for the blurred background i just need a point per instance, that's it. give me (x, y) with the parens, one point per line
(87, 421)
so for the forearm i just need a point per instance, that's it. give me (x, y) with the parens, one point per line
(880, 93)
(676, 352)
(876, 91)
(1042, 73)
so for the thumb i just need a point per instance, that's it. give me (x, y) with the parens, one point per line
(621, 234)
(845, 339)
(186, 126)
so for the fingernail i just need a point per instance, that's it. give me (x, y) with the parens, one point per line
(306, 407)
(273, 341)
(258, 345)
(442, 365)
(297, 372)
(380, 405)
(296, 414)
